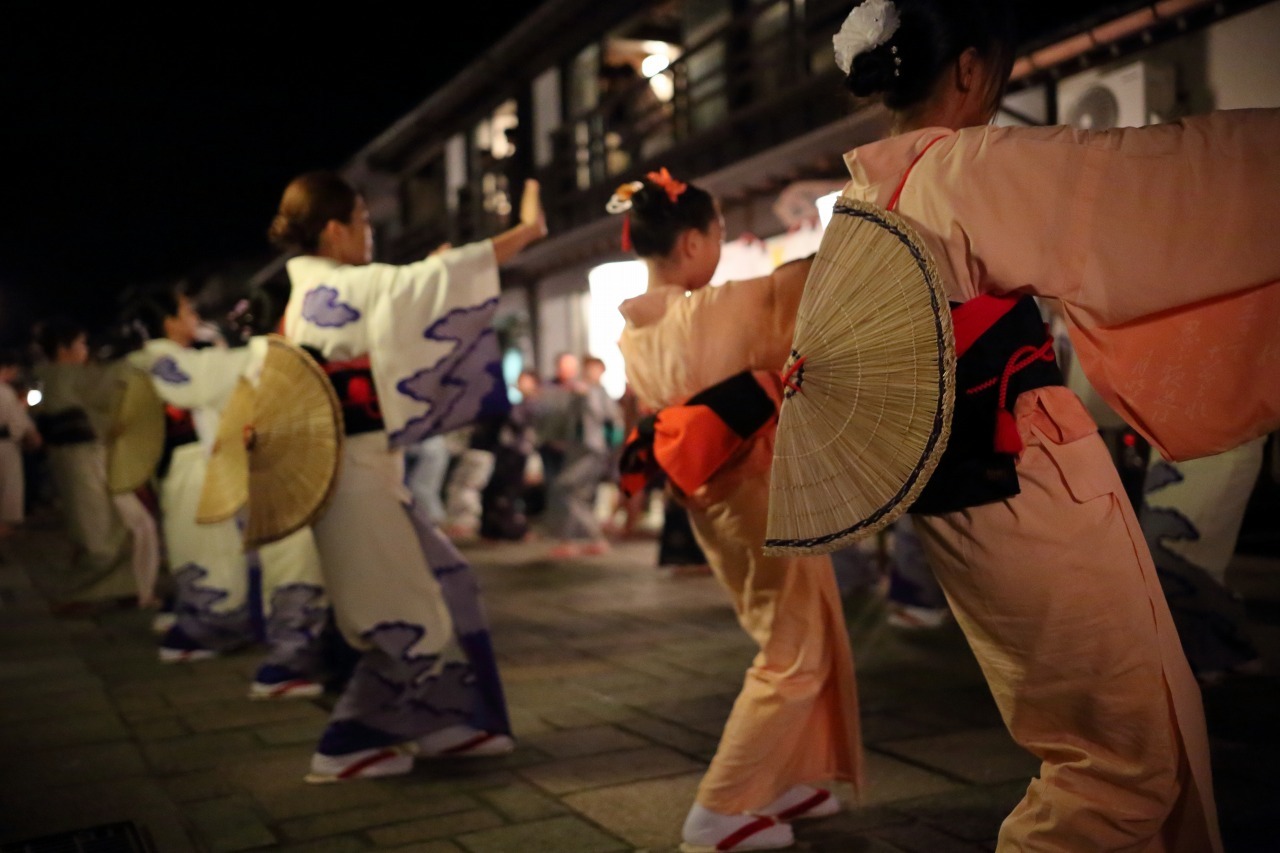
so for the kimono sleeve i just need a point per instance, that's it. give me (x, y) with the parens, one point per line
(756, 318)
(435, 354)
(202, 378)
(1159, 244)
(1120, 224)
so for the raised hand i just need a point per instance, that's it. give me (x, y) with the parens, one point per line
(531, 212)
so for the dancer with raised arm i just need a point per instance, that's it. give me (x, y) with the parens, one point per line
(408, 349)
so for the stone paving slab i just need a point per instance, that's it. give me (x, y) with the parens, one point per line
(72, 765)
(980, 756)
(646, 814)
(26, 707)
(972, 814)
(62, 730)
(590, 740)
(522, 802)
(36, 812)
(434, 828)
(595, 771)
(889, 779)
(438, 812)
(556, 835)
(228, 824)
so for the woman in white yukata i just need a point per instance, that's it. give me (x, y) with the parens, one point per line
(76, 412)
(412, 353)
(210, 569)
(17, 433)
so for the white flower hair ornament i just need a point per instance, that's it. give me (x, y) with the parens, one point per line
(621, 200)
(868, 26)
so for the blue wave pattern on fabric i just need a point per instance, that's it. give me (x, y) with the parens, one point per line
(294, 624)
(194, 604)
(466, 384)
(395, 696)
(166, 369)
(322, 307)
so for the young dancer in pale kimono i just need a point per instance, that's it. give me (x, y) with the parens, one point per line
(18, 433)
(210, 568)
(709, 359)
(1159, 242)
(75, 415)
(412, 352)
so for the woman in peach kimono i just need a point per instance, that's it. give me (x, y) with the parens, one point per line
(712, 357)
(1159, 244)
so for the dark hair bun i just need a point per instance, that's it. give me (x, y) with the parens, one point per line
(650, 200)
(872, 72)
(285, 234)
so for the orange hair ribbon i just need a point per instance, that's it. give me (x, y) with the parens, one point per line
(664, 179)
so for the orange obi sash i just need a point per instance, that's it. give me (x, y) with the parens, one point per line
(689, 443)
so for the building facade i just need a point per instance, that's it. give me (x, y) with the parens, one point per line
(742, 97)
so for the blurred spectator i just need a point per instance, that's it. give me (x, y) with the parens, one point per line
(512, 440)
(554, 415)
(596, 428)
(469, 473)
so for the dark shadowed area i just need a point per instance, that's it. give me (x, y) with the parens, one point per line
(153, 144)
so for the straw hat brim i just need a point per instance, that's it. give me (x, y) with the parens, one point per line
(296, 444)
(873, 384)
(226, 481)
(137, 434)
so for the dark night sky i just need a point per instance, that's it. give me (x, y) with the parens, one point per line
(146, 144)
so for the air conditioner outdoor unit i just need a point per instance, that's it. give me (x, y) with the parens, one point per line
(1132, 95)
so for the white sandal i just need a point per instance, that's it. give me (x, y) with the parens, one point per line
(362, 764)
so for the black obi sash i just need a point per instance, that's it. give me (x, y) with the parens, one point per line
(353, 382)
(70, 426)
(1004, 350)
(179, 430)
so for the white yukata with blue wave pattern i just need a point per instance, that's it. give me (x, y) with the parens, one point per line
(401, 592)
(210, 568)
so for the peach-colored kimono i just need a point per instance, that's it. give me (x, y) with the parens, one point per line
(1160, 244)
(796, 719)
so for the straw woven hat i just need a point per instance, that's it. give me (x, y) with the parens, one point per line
(137, 434)
(278, 448)
(871, 383)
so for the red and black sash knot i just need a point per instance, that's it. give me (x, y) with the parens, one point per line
(689, 443)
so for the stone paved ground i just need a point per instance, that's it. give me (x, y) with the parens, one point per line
(619, 678)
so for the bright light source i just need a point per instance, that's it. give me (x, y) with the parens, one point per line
(611, 284)
(663, 87)
(654, 64)
(825, 206)
(657, 47)
(34, 397)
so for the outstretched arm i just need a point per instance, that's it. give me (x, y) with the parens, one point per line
(1119, 224)
(532, 227)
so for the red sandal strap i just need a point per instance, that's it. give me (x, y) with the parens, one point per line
(818, 798)
(469, 744)
(376, 758)
(733, 839)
